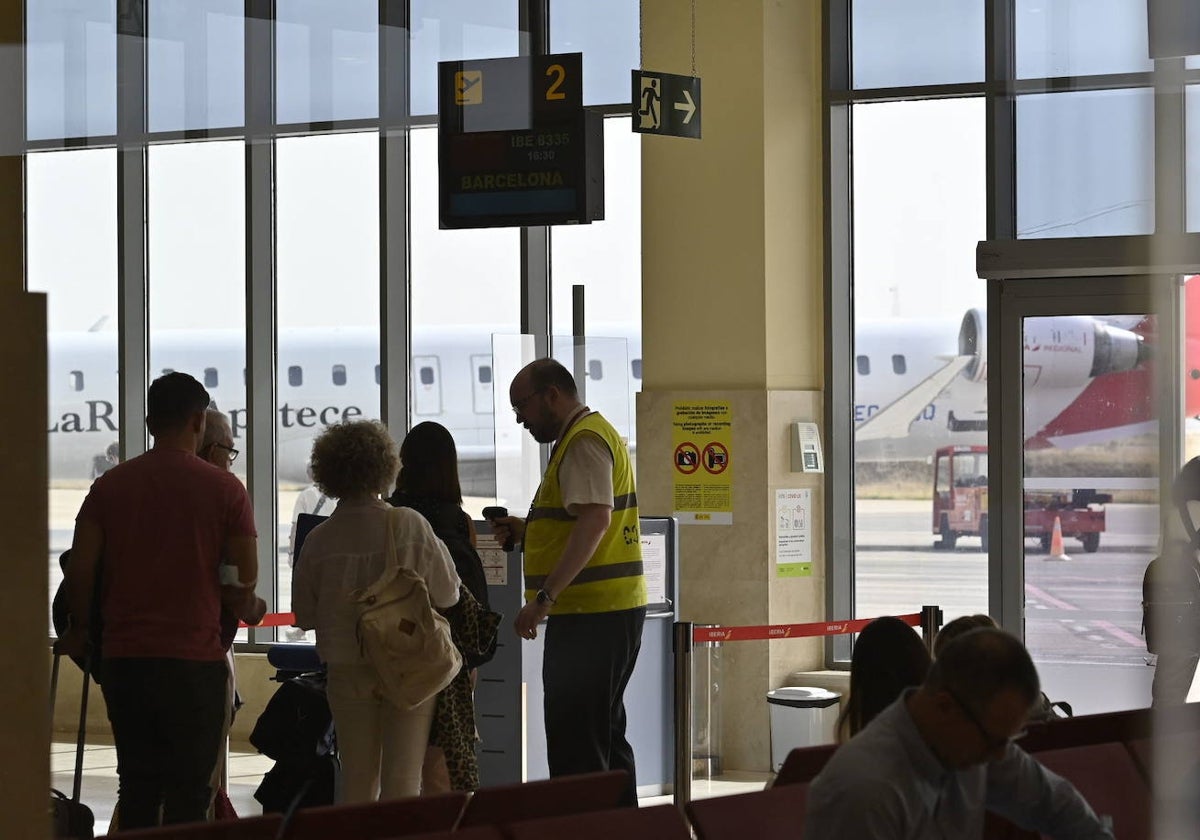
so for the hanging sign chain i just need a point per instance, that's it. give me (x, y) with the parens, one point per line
(693, 37)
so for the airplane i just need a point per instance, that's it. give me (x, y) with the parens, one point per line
(324, 376)
(921, 385)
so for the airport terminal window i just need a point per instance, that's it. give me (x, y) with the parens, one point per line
(295, 376)
(443, 31)
(339, 374)
(195, 64)
(1085, 164)
(195, 198)
(607, 35)
(1192, 151)
(71, 69)
(1080, 38)
(918, 42)
(327, 60)
(71, 235)
(898, 365)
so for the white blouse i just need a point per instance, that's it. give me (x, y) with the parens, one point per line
(347, 552)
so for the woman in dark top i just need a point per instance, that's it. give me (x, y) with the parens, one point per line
(428, 483)
(888, 657)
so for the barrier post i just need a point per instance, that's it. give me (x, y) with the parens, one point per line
(931, 622)
(681, 647)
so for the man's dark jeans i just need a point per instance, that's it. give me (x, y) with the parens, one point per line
(587, 664)
(168, 718)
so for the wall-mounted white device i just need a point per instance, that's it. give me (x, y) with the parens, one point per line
(806, 448)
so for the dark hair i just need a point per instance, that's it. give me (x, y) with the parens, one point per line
(546, 373)
(429, 464)
(172, 400)
(963, 624)
(888, 657)
(981, 664)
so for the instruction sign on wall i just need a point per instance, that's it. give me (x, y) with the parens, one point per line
(793, 533)
(702, 462)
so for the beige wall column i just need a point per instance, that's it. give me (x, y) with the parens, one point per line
(732, 302)
(25, 731)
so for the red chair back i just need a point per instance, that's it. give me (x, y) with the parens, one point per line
(248, 828)
(548, 798)
(803, 764)
(1110, 781)
(773, 814)
(479, 832)
(657, 822)
(377, 820)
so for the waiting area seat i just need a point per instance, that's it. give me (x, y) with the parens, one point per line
(379, 820)
(773, 814)
(547, 798)
(656, 822)
(249, 828)
(478, 832)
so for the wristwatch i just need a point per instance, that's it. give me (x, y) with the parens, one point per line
(543, 597)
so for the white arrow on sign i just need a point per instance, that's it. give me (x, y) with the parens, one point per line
(688, 107)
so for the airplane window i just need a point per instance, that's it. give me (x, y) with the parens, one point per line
(165, 371)
(485, 374)
(295, 376)
(376, 374)
(339, 374)
(636, 366)
(426, 374)
(76, 380)
(864, 365)
(210, 377)
(595, 369)
(899, 365)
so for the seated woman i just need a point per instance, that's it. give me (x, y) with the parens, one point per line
(888, 657)
(381, 746)
(428, 483)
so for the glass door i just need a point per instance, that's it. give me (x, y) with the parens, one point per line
(1084, 462)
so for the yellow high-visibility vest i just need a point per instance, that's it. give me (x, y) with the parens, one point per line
(612, 580)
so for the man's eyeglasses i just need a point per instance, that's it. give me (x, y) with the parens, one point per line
(519, 405)
(233, 453)
(993, 742)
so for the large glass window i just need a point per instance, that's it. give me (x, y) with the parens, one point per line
(328, 306)
(1192, 152)
(607, 35)
(327, 60)
(1085, 164)
(71, 68)
(918, 42)
(448, 30)
(465, 287)
(1081, 38)
(919, 194)
(71, 233)
(196, 64)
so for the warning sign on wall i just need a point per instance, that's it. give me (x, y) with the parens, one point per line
(702, 462)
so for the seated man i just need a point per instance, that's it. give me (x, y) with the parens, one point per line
(932, 762)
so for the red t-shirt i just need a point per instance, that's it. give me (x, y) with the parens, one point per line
(166, 516)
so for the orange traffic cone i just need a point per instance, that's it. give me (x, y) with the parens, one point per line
(1056, 543)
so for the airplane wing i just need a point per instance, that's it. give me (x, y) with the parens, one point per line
(894, 420)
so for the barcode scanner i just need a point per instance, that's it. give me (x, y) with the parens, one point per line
(495, 512)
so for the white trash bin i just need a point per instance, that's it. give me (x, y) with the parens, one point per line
(801, 717)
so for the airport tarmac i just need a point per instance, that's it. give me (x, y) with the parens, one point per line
(1083, 616)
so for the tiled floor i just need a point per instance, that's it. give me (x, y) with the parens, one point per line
(246, 769)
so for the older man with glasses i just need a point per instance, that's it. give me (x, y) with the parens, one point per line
(929, 765)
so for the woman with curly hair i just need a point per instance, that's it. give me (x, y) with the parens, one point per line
(381, 746)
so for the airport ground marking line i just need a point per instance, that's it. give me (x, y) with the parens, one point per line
(1117, 632)
(1043, 595)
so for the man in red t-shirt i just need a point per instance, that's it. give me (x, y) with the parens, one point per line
(162, 522)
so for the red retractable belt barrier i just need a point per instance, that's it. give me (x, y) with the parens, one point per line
(273, 620)
(789, 631)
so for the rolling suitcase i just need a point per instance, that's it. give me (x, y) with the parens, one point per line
(71, 818)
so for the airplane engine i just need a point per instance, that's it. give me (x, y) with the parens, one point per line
(1068, 351)
(972, 341)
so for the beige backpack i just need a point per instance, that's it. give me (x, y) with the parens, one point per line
(406, 641)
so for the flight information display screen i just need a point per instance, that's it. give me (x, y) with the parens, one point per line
(516, 147)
